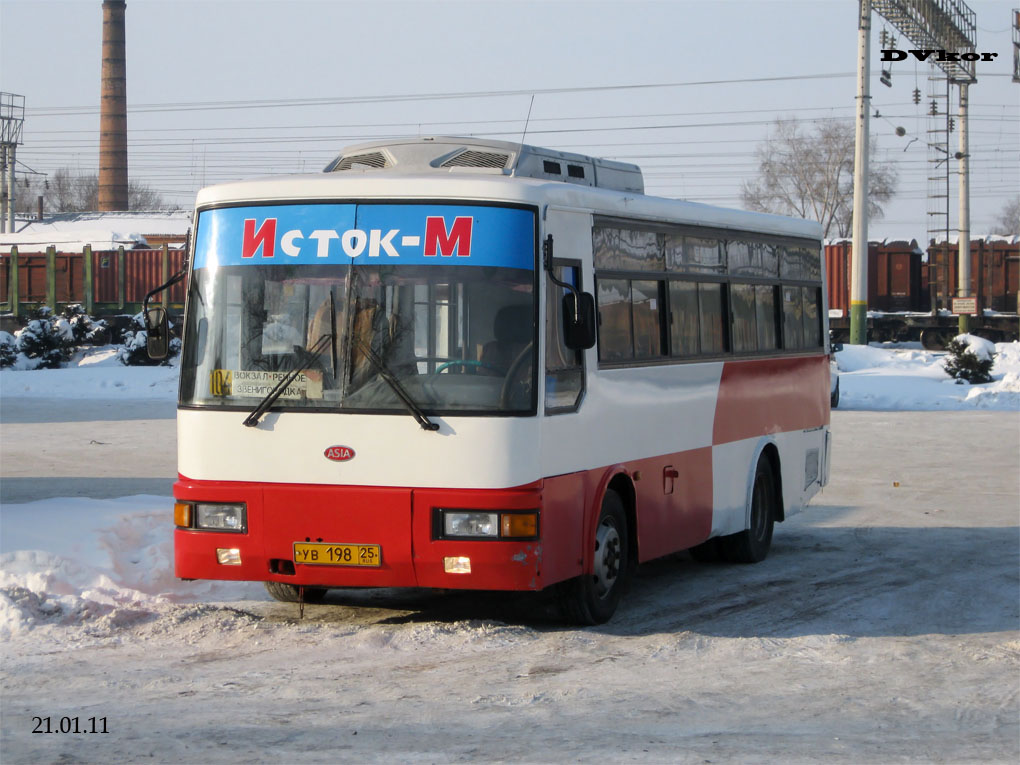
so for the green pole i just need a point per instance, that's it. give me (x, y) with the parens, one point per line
(121, 277)
(89, 296)
(13, 285)
(51, 277)
(858, 323)
(165, 298)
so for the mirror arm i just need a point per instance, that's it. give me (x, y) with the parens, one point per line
(547, 262)
(153, 292)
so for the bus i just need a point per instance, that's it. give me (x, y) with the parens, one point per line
(465, 364)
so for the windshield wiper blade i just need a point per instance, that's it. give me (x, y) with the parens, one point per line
(308, 357)
(384, 372)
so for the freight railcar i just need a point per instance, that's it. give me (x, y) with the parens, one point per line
(911, 290)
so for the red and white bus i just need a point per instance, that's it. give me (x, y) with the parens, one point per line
(464, 364)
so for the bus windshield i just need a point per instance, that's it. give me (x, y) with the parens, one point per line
(457, 339)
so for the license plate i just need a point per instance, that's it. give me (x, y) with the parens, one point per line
(325, 554)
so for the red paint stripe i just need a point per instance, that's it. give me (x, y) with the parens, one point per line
(759, 397)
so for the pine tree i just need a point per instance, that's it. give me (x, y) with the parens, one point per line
(966, 366)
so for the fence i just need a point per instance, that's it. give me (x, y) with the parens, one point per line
(104, 282)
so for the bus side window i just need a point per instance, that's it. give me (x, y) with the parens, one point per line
(564, 368)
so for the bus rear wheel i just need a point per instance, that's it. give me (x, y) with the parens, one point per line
(288, 593)
(752, 544)
(593, 598)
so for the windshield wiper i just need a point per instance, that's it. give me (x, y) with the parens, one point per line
(384, 372)
(307, 357)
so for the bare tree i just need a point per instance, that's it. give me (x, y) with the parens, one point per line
(1008, 221)
(66, 190)
(810, 175)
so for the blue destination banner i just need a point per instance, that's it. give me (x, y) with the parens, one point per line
(465, 235)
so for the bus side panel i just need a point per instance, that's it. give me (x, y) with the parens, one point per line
(779, 400)
(673, 502)
(763, 396)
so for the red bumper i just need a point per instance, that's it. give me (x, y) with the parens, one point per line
(400, 520)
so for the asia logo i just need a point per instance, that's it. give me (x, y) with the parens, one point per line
(339, 453)
(438, 240)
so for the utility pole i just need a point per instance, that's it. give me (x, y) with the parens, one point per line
(963, 242)
(859, 253)
(3, 191)
(12, 120)
(11, 161)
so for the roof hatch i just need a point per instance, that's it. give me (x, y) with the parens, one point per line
(451, 154)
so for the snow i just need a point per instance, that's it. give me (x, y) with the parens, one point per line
(71, 232)
(904, 377)
(873, 632)
(93, 373)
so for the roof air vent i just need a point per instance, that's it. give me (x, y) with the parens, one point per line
(471, 158)
(371, 161)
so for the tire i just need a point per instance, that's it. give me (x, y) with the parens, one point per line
(707, 552)
(834, 397)
(288, 593)
(593, 598)
(752, 545)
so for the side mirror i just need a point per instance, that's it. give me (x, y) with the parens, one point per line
(579, 320)
(157, 328)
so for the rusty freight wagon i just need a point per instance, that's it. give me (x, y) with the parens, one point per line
(911, 290)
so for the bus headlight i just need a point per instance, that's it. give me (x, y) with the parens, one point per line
(216, 517)
(470, 524)
(485, 524)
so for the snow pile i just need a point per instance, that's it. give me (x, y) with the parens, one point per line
(904, 377)
(983, 349)
(93, 566)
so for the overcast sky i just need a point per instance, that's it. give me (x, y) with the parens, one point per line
(219, 90)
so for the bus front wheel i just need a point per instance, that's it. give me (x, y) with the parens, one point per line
(289, 593)
(593, 598)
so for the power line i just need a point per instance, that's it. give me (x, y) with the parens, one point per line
(295, 102)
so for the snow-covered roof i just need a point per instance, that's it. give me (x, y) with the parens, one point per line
(987, 238)
(71, 232)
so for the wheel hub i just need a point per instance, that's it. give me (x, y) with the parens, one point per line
(607, 558)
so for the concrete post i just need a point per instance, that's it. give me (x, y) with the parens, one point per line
(963, 243)
(859, 275)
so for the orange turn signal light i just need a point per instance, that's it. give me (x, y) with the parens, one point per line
(182, 515)
(519, 525)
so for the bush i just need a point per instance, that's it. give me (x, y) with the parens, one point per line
(84, 329)
(969, 361)
(8, 350)
(133, 352)
(45, 342)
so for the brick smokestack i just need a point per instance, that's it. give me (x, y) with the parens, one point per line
(113, 158)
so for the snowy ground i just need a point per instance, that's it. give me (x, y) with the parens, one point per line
(884, 626)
